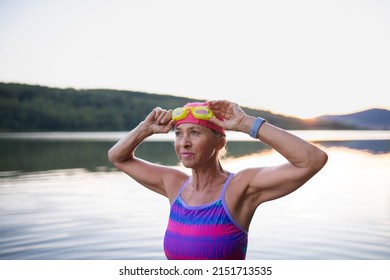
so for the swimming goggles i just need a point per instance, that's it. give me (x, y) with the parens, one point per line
(199, 112)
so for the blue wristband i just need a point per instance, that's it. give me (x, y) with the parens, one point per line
(254, 131)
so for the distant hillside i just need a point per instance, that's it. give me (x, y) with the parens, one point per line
(369, 119)
(38, 108)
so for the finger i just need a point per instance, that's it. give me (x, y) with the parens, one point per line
(219, 106)
(156, 113)
(168, 127)
(164, 117)
(152, 115)
(217, 122)
(218, 103)
(213, 104)
(167, 117)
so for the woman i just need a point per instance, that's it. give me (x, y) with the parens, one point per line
(211, 210)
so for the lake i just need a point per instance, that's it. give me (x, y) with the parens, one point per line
(60, 198)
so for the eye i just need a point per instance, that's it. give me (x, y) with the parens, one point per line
(195, 132)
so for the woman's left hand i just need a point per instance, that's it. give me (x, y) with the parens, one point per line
(230, 116)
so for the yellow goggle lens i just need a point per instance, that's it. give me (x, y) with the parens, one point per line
(179, 114)
(199, 112)
(202, 112)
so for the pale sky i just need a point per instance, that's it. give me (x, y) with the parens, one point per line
(303, 58)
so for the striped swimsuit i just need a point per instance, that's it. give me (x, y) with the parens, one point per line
(204, 232)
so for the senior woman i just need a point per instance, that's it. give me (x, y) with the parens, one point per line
(211, 209)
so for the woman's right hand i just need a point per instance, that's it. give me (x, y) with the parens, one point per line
(159, 121)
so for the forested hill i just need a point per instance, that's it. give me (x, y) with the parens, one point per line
(369, 119)
(38, 108)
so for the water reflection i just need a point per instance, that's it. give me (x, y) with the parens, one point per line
(371, 146)
(63, 204)
(39, 155)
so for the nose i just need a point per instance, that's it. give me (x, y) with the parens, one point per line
(185, 141)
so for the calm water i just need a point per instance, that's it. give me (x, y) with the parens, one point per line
(61, 199)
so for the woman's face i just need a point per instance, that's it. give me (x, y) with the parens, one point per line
(196, 145)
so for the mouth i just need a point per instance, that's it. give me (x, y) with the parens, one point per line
(186, 154)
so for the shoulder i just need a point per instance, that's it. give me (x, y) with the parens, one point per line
(246, 186)
(245, 177)
(240, 182)
(161, 179)
(173, 181)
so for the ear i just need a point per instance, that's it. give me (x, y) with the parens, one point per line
(221, 143)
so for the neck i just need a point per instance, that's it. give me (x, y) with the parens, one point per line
(205, 177)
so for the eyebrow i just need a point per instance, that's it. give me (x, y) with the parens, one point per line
(189, 129)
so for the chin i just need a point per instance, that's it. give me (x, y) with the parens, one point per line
(187, 164)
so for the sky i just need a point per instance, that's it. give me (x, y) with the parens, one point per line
(301, 58)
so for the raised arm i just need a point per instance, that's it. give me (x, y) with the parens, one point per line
(304, 159)
(156, 177)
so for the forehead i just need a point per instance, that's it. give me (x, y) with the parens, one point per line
(189, 126)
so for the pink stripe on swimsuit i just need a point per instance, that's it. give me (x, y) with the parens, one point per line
(204, 232)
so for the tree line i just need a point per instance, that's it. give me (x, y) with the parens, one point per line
(39, 108)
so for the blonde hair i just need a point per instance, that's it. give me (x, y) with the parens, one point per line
(222, 153)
